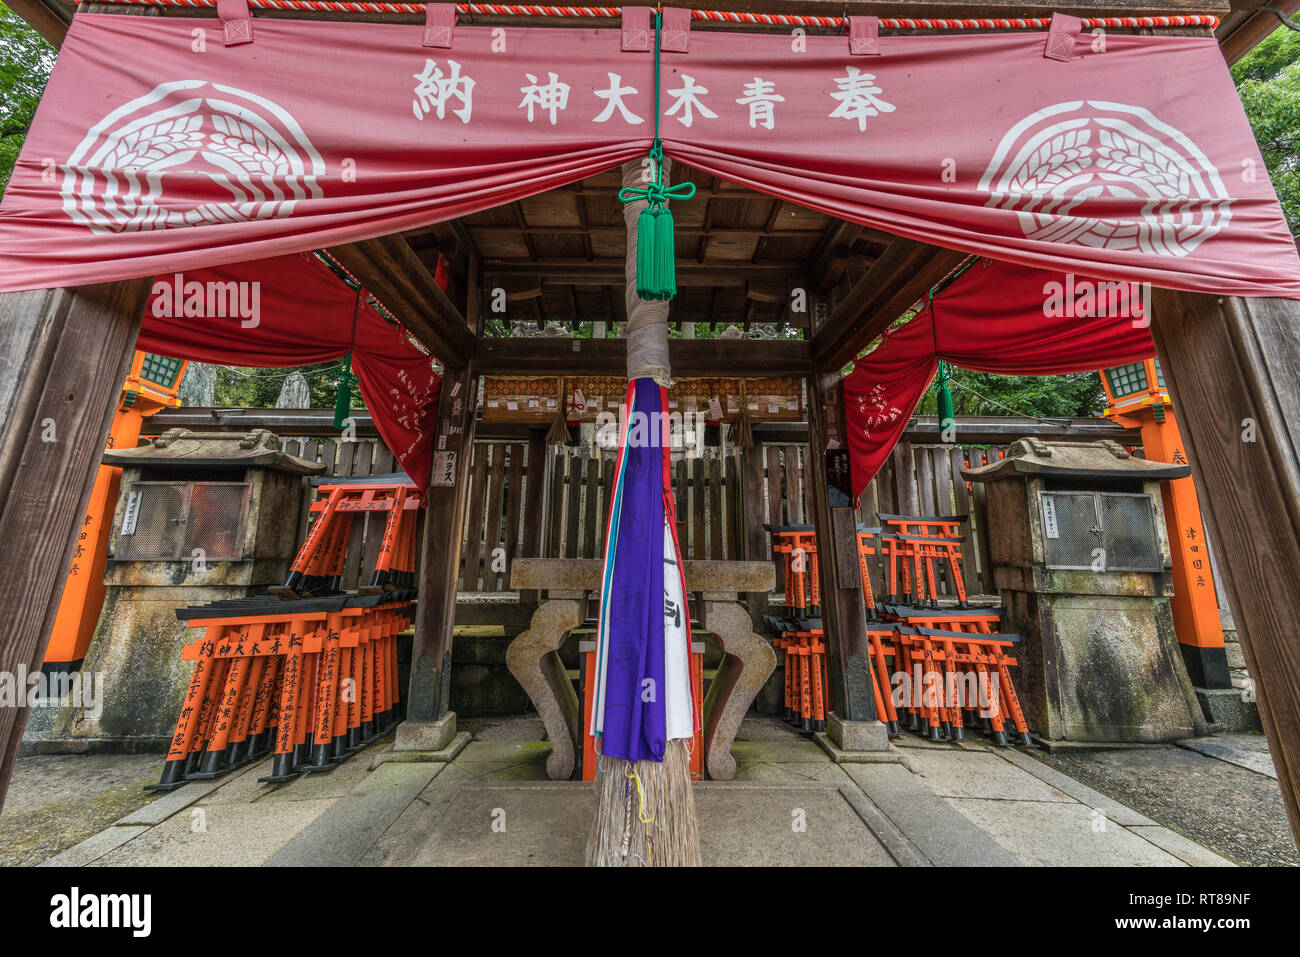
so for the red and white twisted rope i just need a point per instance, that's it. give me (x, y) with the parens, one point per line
(715, 16)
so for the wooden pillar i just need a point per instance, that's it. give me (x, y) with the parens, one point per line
(444, 523)
(63, 356)
(844, 617)
(753, 537)
(534, 505)
(1233, 367)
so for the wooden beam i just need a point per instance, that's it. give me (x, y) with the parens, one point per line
(1255, 27)
(444, 523)
(65, 355)
(609, 272)
(906, 272)
(1233, 368)
(388, 268)
(741, 231)
(834, 247)
(43, 18)
(844, 618)
(689, 357)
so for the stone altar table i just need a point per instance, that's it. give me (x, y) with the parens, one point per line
(713, 590)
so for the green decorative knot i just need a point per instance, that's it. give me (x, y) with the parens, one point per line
(656, 248)
(657, 194)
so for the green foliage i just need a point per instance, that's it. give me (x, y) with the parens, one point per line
(1268, 81)
(25, 64)
(238, 388)
(1044, 396)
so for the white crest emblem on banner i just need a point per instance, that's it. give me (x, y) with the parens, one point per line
(242, 158)
(1058, 167)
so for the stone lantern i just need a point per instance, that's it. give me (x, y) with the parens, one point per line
(200, 517)
(1081, 560)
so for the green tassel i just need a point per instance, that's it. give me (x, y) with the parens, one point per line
(656, 252)
(343, 396)
(943, 395)
(647, 232)
(945, 404)
(665, 274)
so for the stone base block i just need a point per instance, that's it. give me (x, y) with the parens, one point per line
(444, 756)
(1229, 710)
(856, 735)
(426, 735)
(840, 756)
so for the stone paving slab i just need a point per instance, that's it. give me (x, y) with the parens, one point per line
(169, 803)
(783, 825)
(1056, 834)
(793, 750)
(1187, 851)
(327, 785)
(343, 834)
(791, 806)
(938, 831)
(546, 823)
(238, 835)
(1119, 813)
(966, 774)
(1245, 751)
(479, 752)
(95, 846)
(407, 836)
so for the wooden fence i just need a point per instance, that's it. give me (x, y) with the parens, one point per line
(528, 499)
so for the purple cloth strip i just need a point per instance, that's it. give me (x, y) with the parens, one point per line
(636, 729)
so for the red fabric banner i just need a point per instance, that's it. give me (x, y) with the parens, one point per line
(995, 317)
(292, 310)
(158, 149)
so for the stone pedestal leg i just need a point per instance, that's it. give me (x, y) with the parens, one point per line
(533, 658)
(746, 665)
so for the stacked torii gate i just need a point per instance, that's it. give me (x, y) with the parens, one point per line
(1231, 363)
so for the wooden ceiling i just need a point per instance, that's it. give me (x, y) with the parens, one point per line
(559, 256)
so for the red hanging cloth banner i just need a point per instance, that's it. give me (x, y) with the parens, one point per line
(292, 310)
(995, 317)
(1128, 162)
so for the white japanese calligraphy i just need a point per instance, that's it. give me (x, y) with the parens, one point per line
(859, 97)
(615, 95)
(550, 98)
(687, 100)
(435, 90)
(760, 96)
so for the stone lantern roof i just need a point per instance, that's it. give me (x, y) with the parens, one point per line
(183, 448)
(1106, 459)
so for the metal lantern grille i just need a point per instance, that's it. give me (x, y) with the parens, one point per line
(1127, 380)
(1128, 524)
(1120, 524)
(167, 521)
(216, 520)
(1070, 529)
(157, 531)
